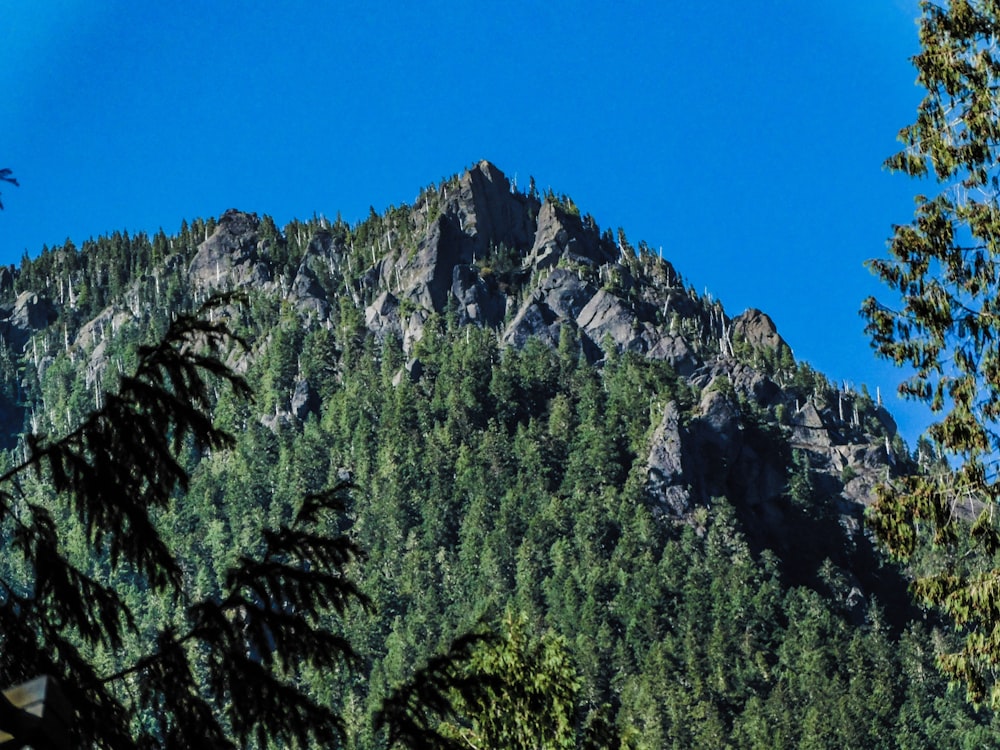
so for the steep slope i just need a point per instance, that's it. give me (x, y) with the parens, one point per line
(540, 418)
(529, 268)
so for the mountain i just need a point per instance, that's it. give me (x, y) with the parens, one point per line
(545, 424)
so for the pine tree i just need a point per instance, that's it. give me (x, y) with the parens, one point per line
(944, 267)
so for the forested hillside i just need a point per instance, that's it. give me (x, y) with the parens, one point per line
(551, 435)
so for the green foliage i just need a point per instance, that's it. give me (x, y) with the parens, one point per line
(532, 700)
(489, 481)
(847, 474)
(563, 202)
(222, 669)
(512, 481)
(777, 362)
(411, 713)
(943, 267)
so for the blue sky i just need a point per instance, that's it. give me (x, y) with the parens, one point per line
(745, 139)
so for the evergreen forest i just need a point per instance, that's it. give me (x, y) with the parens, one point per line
(649, 515)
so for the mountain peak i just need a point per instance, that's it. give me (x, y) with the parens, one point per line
(476, 251)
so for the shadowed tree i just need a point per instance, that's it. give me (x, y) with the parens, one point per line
(223, 671)
(511, 690)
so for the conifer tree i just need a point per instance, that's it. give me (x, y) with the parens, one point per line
(222, 672)
(943, 266)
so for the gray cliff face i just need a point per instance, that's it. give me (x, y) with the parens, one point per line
(757, 329)
(561, 234)
(318, 263)
(667, 483)
(30, 314)
(229, 258)
(478, 298)
(429, 273)
(489, 214)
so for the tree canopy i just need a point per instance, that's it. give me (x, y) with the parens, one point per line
(943, 267)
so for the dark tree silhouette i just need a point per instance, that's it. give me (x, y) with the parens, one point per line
(7, 175)
(223, 673)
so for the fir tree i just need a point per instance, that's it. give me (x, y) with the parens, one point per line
(943, 267)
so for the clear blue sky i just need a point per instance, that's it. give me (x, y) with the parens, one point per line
(745, 139)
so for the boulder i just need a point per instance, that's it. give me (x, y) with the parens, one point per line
(305, 400)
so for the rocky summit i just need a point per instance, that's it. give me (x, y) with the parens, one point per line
(530, 267)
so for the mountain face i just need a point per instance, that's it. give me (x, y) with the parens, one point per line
(540, 417)
(532, 268)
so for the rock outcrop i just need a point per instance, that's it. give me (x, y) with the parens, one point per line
(489, 213)
(560, 235)
(310, 295)
(493, 257)
(758, 330)
(667, 483)
(229, 258)
(29, 314)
